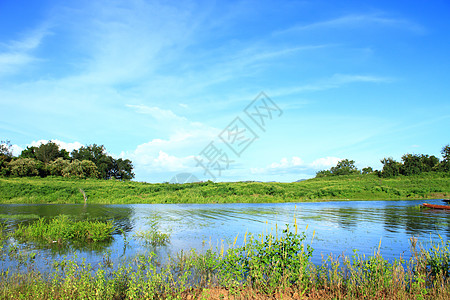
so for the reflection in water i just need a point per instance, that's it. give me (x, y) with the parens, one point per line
(339, 226)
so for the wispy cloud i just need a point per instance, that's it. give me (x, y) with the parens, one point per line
(332, 82)
(16, 54)
(359, 21)
(296, 165)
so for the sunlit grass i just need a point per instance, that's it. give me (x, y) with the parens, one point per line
(352, 187)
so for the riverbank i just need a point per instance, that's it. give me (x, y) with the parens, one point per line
(352, 187)
(265, 267)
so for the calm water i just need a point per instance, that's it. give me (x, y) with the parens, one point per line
(339, 227)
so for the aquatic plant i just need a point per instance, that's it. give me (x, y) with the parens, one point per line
(63, 229)
(153, 236)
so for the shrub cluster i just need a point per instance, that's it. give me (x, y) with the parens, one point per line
(49, 160)
(411, 164)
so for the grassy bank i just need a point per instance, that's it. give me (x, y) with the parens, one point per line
(356, 187)
(265, 267)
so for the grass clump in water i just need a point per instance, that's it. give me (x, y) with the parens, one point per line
(62, 229)
(153, 236)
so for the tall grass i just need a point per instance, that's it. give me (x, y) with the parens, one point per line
(265, 267)
(356, 187)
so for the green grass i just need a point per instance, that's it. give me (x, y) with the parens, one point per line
(353, 187)
(265, 267)
(62, 229)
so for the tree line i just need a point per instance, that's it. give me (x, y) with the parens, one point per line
(410, 164)
(48, 159)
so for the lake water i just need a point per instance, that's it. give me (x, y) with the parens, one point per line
(338, 226)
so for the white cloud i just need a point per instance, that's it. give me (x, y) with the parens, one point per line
(16, 150)
(172, 163)
(325, 162)
(296, 165)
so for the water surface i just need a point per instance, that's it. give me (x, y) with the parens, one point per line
(338, 226)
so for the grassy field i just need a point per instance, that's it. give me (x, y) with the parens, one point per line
(353, 187)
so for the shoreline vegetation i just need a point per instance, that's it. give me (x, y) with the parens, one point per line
(16, 190)
(266, 266)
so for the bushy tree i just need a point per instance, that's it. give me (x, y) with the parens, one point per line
(5, 157)
(323, 173)
(345, 167)
(123, 169)
(412, 165)
(429, 163)
(90, 170)
(391, 167)
(73, 169)
(47, 152)
(445, 163)
(367, 170)
(29, 152)
(6, 148)
(22, 167)
(97, 155)
(57, 166)
(107, 166)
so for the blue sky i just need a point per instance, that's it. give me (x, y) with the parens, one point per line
(157, 82)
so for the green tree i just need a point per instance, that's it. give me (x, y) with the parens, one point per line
(80, 169)
(367, 170)
(412, 165)
(391, 167)
(6, 148)
(429, 163)
(345, 167)
(28, 152)
(5, 157)
(323, 173)
(90, 170)
(47, 152)
(445, 163)
(73, 169)
(123, 169)
(107, 166)
(57, 166)
(97, 155)
(446, 153)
